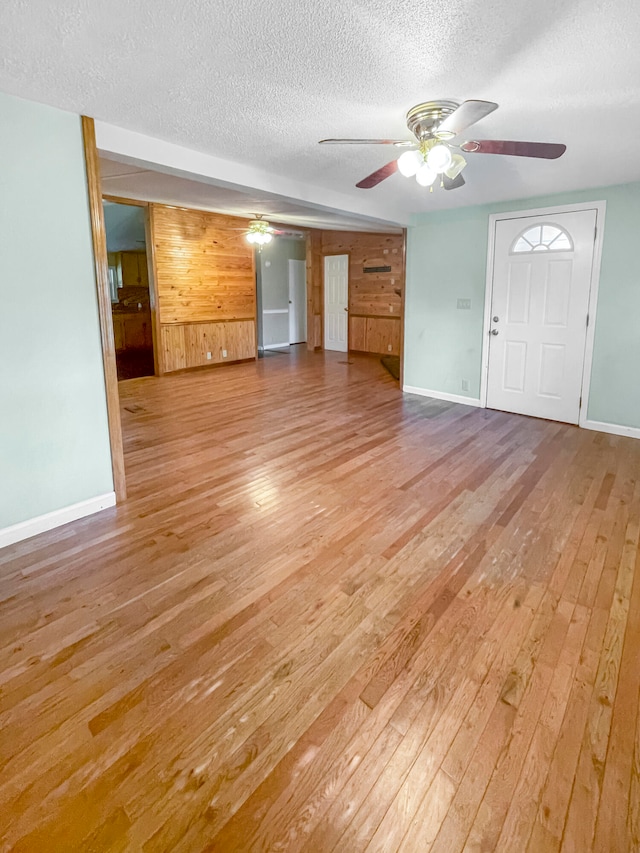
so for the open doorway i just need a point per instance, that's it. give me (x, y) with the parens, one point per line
(125, 226)
(281, 290)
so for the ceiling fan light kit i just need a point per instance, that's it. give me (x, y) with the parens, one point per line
(425, 175)
(409, 163)
(434, 124)
(259, 232)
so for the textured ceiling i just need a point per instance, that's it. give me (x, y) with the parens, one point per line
(259, 82)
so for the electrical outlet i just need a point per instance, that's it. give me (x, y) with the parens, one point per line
(390, 309)
(224, 353)
(389, 347)
(465, 385)
(465, 304)
(209, 356)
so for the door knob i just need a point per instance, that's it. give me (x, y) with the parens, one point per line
(494, 331)
(496, 319)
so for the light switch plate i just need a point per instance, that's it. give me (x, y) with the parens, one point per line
(465, 304)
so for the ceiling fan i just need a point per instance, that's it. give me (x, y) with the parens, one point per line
(260, 232)
(434, 124)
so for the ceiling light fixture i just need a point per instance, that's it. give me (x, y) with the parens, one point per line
(430, 159)
(425, 175)
(439, 158)
(409, 163)
(259, 233)
(457, 165)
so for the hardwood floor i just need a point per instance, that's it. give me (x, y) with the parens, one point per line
(329, 617)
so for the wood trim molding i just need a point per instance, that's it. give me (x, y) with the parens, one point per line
(256, 319)
(207, 322)
(104, 305)
(120, 200)
(158, 354)
(402, 303)
(376, 316)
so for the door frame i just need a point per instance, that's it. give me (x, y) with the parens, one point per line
(304, 301)
(594, 284)
(151, 274)
(323, 292)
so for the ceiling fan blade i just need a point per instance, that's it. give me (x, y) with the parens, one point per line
(374, 178)
(398, 142)
(468, 113)
(452, 184)
(546, 150)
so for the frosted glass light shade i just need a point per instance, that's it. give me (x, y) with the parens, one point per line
(439, 158)
(425, 175)
(409, 163)
(457, 165)
(261, 238)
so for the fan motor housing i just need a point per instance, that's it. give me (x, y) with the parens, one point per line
(423, 119)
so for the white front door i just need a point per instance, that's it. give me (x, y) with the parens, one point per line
(297, 302)
(336, 297)
(539, 308)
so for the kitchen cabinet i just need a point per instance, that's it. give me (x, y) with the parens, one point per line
(134, 269)
(130, 269)
(132, 330)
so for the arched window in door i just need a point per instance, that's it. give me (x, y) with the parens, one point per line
(542, 238)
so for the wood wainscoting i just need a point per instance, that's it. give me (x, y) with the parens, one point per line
(374, 334)
(205, 287)
(187, 345)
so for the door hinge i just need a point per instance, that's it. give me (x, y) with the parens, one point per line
(595, 232)
(580, 403)
(587, 319)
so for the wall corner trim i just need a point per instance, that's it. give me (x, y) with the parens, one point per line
(42, 523)
(613, 429)
(99, 236)
(442, 395)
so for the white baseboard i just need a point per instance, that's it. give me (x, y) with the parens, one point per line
(33, 526)
(276, 346)
(442, 395)
(614, 429)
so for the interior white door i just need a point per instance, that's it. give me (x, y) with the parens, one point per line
(336, 299)
(539, 308)
(297, 302)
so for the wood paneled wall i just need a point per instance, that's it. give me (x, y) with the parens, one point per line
(187, 345)
(375, 299)
(205, 287)
(314, 290)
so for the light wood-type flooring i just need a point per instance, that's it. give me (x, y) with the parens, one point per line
(329, 617)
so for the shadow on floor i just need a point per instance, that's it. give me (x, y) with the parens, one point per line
(392, 364)
(133, 363)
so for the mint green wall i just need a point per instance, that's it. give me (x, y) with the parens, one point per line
(274, 264)
(446, 260)
(54, 442)
(273, 283)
